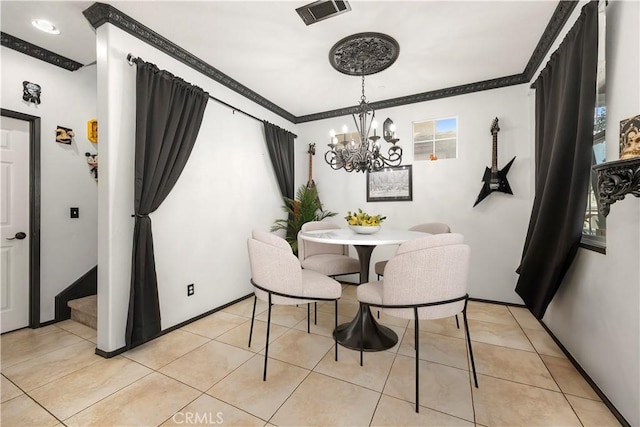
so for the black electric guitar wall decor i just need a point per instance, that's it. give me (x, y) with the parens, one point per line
(312, 151)
(311, 185)
(494, 179)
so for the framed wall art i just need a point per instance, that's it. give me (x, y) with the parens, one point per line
(393, 184)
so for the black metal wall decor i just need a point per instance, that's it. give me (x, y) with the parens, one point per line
(64, 135)
(31, 92)
(616, 179)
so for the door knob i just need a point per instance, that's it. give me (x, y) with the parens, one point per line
(19, 235)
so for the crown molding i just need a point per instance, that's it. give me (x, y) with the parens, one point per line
(100, 13)
(420, 97)
(7, 40)
(555, 25)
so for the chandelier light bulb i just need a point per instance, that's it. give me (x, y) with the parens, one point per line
(332, 139)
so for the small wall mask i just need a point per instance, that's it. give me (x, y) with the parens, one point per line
(64, 135)
(31, 92)
(92, 161)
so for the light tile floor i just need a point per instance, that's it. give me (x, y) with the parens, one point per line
(204, 374)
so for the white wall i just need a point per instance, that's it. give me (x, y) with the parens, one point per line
(445, 190)
(595, 313)
(227, 188)
(68, 246)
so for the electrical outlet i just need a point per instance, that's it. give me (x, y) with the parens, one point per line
(190, 290)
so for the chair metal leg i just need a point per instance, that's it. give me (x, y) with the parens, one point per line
(417, 344)
(253, 315)
(457, 322)
(361, 333)
(315, 313)
(335, 337)
(466, 330)
(266, 349)
(379, 275)
(308, 318)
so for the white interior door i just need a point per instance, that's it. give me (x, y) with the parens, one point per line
(14, 221)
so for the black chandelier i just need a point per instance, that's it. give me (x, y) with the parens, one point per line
(363, 54)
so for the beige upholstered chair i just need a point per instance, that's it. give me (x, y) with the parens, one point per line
(426, 279)
(277, 278)
(429, 227)
(327, 259)
(330, 260)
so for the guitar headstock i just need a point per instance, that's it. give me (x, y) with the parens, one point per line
(312, 149)
(494, 127)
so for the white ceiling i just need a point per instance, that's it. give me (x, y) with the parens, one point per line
(265, 45)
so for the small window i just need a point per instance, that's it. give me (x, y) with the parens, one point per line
(594, 228)
(435, 139)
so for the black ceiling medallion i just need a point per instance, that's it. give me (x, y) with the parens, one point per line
(364, 53)
(37, 52)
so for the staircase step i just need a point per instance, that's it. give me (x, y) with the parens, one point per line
(85, 310)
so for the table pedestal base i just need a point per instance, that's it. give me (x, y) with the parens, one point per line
(376, 336)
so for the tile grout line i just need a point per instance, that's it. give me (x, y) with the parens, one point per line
(551, 374)
(395, 357)
(110, 394)
(289, 328)
(23, 393)
(300, 383)
(230, 403)
(54, 379)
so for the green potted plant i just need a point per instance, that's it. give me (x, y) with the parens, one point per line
(306, 207)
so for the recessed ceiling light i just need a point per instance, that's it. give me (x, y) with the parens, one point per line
(46, 26)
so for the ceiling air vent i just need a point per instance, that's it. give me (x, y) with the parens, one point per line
(322, 9)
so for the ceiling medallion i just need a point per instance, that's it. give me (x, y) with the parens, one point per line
(364, 53)
(360, 55)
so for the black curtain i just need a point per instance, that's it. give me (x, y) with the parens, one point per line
(280, 144)
(565, 105)
(169, 113)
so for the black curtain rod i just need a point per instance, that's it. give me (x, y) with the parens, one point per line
(131, 59)
(234, 108)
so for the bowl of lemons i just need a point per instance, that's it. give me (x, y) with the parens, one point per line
(363, 223)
